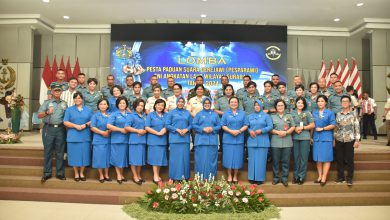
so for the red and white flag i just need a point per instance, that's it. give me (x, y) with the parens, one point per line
(62, 65)
(322, 71)
(46, 79)
(54, 69)
(76, 69)
(331, 70)
(68, 70)
(344, 78)
(338, 68)
(355, 79)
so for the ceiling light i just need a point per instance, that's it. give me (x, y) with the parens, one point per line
(46, 1)
(360, 4)
(204, 0)
(66, 17)
(203, 15)
(336, 19)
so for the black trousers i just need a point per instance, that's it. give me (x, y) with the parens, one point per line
(369, 121)
(344, 157)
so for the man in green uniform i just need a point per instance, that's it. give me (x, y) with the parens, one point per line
(106, 90)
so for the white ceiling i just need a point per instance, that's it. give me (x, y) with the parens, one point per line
(315, 13)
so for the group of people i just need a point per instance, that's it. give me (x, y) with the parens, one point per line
(123, 127)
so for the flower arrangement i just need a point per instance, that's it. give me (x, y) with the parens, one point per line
(200, 195)
(10, 138)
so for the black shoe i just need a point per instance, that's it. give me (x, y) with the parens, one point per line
(142, 180)
(375, 138)
(229, 182)
(340, 180)
(60, 177)
(45, 178)
(235, 182)
(157, 182)
(252, 182)
(317, 181)
(77, 179)
(139, 182)
(295, 181)
(323, 183)
(349, 182)
(300, 181)
(107, 179)
(260, 182)
(275, 182)
(285, 183)
(119, 181)
(101, 180)
(83, 178)
(124, 180)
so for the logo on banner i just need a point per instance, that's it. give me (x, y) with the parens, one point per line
(273, 53)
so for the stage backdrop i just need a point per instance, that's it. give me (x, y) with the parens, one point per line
(180, 51)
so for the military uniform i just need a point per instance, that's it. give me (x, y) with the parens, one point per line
(127, 92)
(106, 91)
(241, 93)
(132, 98)
(148, 92)
(248, 102)
(82, 89)
(334, 102)
(168, 92)
(218, 94)
(53, 135)
(63, 85)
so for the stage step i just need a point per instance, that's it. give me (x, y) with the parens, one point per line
(359, 165)
(12, 170)
(119, 197)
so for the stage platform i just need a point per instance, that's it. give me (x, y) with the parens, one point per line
(21, 170)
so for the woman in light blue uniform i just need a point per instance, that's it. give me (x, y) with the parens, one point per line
(157, 139)
(281, 141)
(101, 141)
(116, 92)
(119, 139)
(206, 125)
(92, 96)
(135, 125)
(312, 97)
(260, 124)
(325, 122)
(301, 139)
(77, 119)
(234, 123)
(179, 124)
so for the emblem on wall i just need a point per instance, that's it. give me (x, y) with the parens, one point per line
(273, 53)
(7, 76)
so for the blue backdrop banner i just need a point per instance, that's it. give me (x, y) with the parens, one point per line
(186, 60)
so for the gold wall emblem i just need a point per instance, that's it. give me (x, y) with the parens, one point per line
(7, 76)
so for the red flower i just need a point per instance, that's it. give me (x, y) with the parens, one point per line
(203, 193)
(260, 191)
(170, 182)
(190, 179)
(192, 199)
(155, 205)
(161, 185)
(184, 195)
(220, 196)
(243, 187)
(253, 186)
(150, 192)
(260, 199)
(240, 183)
(201, 185)
(252, 193)
(211, 197)
(193, 191)
(217, 187)
(178, 187)
(234, 187)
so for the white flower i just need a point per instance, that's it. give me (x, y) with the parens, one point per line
(166, 191)
(199, 197)
(235, 200)
(173, 189)
(224, 192)
(182, 191)
(247, 192)
(244, 200)
(217, 204)
(230, 192)
(238, 193)
(194, 205)
(166, 197)
(184, 201)
(174, 196)
(181, 198)
(158, 190)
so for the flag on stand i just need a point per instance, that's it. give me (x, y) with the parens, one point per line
(331, 70)
(46, 79)
(344, 78)
(54, 69)
(355, 79)
(68, 70)
(76, 69)
(322, 71)
(338, 68)
(62, 65)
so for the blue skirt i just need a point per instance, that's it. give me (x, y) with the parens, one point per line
(233, 156)
(101, 156)
(206, 159)
(157, 155)
(257, 163)
(137, 154)
(119, 155)
(79, 154)
(323, 151)
(179, 163)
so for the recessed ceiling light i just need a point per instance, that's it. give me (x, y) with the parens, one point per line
(203, 15)
(46, 1)
(360, 4)
(204, 0)
(66, 17)
(336, 19)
